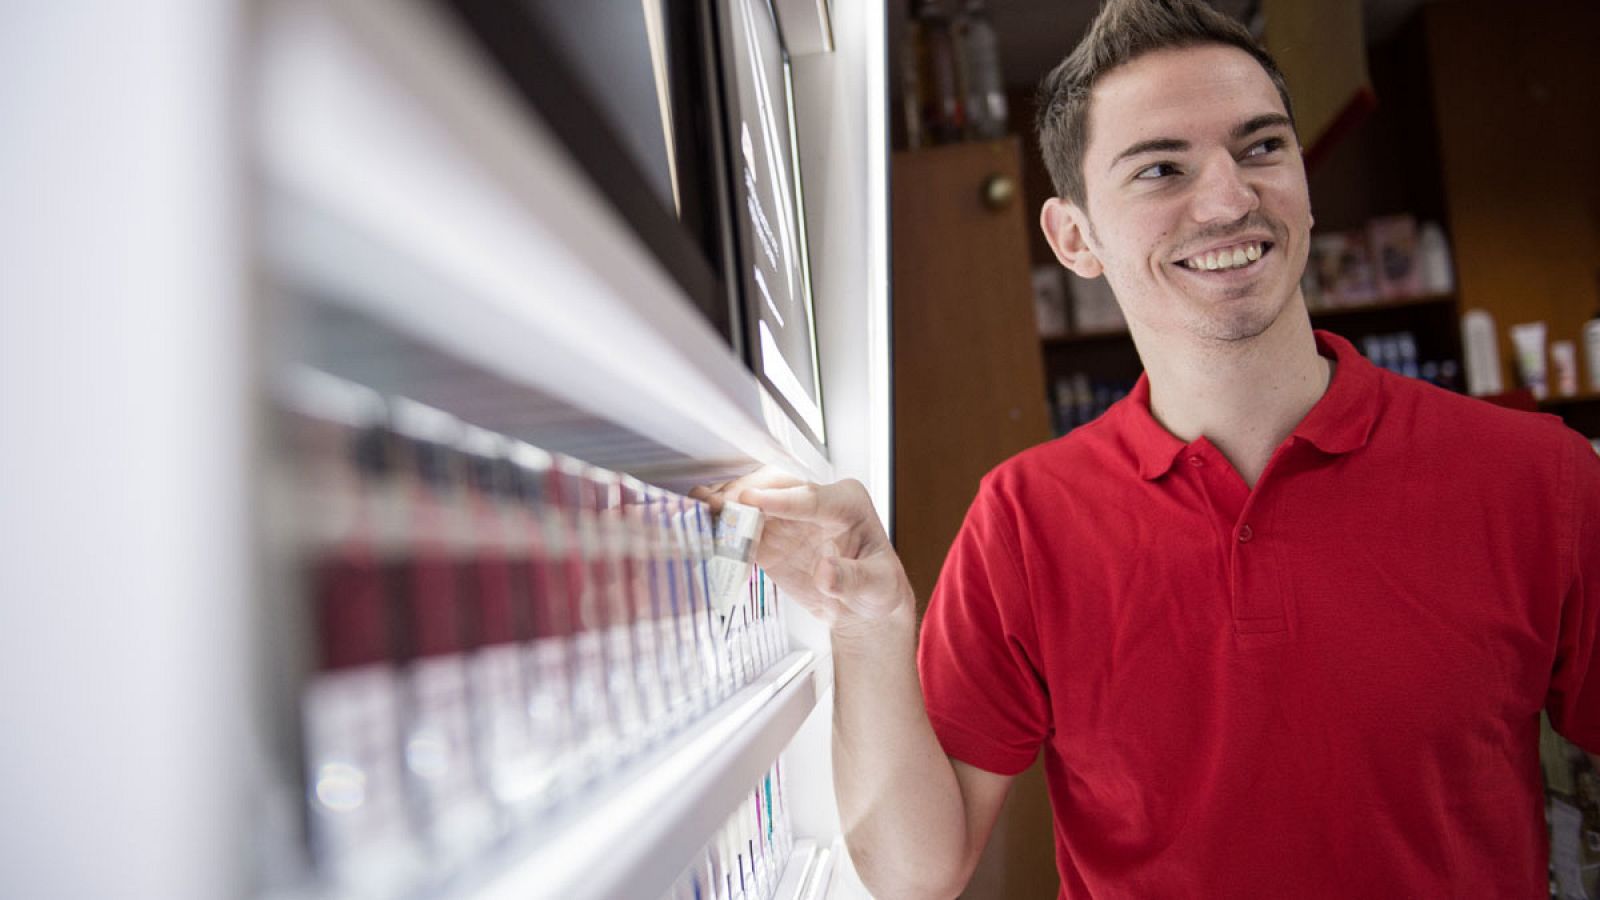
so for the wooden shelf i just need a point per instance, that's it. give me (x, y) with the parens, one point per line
(1084, 337)
(1575, 400)
(1385, 305)
(1431, 300)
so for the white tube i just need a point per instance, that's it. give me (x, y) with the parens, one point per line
(1564, 366)
(1482, 351)
(1528, 339)
(1591, 347)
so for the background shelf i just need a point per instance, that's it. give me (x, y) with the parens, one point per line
(1334, 312)
(1322, 317)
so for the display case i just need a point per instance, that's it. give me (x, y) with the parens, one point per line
(358, 194)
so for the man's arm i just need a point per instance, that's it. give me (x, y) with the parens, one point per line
(915, 820)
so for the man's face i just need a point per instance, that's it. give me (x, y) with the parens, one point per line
(1198, 211)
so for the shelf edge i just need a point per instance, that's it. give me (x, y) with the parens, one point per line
(648, 824)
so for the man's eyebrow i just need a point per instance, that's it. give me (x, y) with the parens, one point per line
(1251, 126)
(1176, 145)
(1155, 145)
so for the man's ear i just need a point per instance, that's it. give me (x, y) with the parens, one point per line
(1066, 228)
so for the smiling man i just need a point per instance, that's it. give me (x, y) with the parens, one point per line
(1281, 623)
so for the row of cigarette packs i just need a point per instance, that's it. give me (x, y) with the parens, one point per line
(497, 629)
(745, 859)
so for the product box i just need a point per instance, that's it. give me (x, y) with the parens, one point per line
(495, 597)
(596, 746)
(674, 657)
(361, 832)
(445, 784)
(692, 639)
(549, 655)
(617, 613)
(650, 656)
(1094, 305)
(1393, 241)
(1050, 300)
(699, 531)
(1344, 268)
(731, 572)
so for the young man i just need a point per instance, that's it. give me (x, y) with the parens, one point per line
(1281, 623)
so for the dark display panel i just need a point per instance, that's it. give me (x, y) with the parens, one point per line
(774, 269)
(681, 113)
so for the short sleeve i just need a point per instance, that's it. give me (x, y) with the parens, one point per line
(1574, 698)
(978, 654)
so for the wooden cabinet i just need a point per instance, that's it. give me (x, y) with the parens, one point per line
(968, 382)
(1515, 97)
(968, 393)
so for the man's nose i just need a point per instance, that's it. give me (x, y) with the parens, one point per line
(1222, 194)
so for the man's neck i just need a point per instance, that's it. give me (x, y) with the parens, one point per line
(1246, 397)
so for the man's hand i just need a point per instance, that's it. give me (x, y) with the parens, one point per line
(824, 546)
(915, 821)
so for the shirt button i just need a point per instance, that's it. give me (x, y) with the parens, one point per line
(1196, 461)
(1245, 534)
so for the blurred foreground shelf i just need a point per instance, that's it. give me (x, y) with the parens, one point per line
(645, 824)
(810, 872)
(473, 266)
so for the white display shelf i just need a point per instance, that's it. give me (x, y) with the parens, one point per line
(408, 194)
(637, 832)
(808, 874)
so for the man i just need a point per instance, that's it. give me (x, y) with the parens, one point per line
(1281, 623)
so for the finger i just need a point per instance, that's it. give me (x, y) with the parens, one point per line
(825, 503)
(705, 491)
(764, 477)
(710, 494)
(716, 493)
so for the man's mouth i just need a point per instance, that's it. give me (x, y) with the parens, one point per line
(1235, 256)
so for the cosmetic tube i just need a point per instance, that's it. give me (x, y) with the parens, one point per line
(1482, 351)
(1528, 340)
(1591, 352)
(1564, 366)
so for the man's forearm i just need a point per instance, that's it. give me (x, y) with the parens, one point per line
(899, 800)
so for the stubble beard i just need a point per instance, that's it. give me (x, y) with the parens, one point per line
(1235, 326)
(1241, 320)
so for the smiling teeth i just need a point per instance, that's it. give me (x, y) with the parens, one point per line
(1225, 259)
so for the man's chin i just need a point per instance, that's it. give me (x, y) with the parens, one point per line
(1234, 326)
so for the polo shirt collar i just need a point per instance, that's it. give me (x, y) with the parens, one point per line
(1340, 422)
(1153, 445)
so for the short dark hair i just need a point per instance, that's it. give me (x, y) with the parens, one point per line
(1122, 31)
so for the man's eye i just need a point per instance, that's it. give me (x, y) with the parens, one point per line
(1159, 170)
(1270, 145)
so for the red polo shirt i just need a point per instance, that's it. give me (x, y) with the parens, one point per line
(1328, 686)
